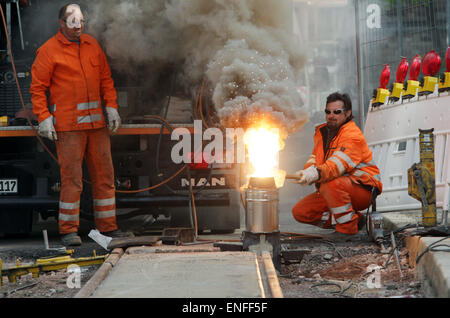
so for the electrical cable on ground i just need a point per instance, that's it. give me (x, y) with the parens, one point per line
(432, 247)
(329, 284)
(335, 248)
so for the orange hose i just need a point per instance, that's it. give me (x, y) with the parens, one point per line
(155, 186)
(201, 106)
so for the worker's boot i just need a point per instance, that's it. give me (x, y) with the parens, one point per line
(71, 239)
(118, 234)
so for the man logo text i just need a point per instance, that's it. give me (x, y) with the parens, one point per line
(203, 182)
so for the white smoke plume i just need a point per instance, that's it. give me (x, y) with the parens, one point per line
(243, 49)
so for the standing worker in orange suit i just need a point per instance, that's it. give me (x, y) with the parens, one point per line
(343, 171)
(73, 68)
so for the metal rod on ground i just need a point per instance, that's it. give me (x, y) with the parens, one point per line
(192, 207)
(446, 205)
(44, 232)
(191, 213)
(396, 254)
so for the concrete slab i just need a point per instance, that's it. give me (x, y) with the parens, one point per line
(183, 275)
(434, 266)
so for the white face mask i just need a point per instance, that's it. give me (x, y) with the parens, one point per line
(75, 17)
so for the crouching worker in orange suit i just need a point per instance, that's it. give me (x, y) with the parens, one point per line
(73, 69)
(342, 169)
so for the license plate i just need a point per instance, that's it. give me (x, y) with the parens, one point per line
(9, 186)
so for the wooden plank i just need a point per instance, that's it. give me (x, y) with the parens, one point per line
(272, 277)
(132, 241)
(412, 244)
(100, 274)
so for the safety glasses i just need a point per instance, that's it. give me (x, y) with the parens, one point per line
(336, 111)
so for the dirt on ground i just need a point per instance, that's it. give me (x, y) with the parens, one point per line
(327, 270)
(349, 270)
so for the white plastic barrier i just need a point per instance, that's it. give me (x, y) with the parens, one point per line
(392, 132)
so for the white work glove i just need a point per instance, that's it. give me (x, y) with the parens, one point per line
(47, 130)
(307, 176)
(113, 118)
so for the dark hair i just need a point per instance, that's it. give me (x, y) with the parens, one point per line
(63, 11)
(342, 97)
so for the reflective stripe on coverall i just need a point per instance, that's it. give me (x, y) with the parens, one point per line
(72, 147)
(342, 198)
(343, 169)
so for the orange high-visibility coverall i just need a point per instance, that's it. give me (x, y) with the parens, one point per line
(347, 172)
(78, 78)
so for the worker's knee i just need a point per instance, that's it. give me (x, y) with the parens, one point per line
(302, 213)
(297, 212)
(338, 183)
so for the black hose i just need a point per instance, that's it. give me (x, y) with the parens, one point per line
(432, 247)
(158, 147)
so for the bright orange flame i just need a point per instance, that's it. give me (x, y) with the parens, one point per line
(263, 147)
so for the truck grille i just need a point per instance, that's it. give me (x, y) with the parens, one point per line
(9, 98)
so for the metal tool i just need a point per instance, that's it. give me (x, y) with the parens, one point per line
(374, 221)
(176, 236)
(56, 249)
(293, 255)
(421, 178)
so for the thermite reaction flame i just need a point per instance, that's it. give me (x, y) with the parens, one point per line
(263, 144)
